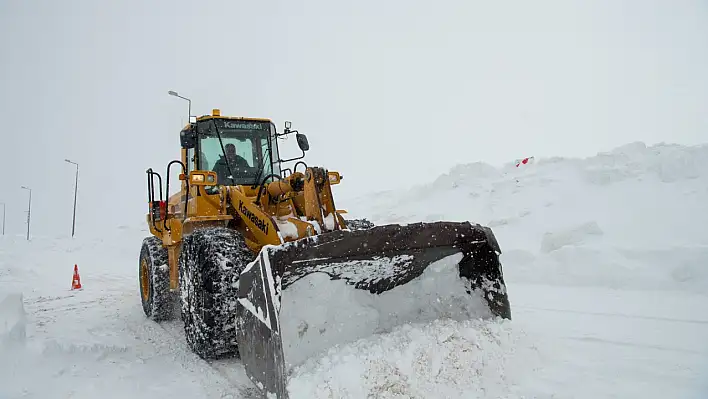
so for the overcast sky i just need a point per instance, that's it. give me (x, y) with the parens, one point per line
(391, 94)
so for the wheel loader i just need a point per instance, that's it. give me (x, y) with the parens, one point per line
(259, 263)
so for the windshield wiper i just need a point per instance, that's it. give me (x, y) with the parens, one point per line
(223, 151)
(261, 166)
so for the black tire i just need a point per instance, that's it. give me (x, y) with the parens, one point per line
(210, 263)
(154, 281)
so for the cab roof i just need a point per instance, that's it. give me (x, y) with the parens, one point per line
(240, 118)
(216, 114)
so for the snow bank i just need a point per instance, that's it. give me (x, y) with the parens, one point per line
(573, 236)
(12, 321)
(442, 359)
(666, 163)
(684, 269)
(631, 217)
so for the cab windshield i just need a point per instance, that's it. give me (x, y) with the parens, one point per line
(247, 148)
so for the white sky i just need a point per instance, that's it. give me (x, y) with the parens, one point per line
(391, 94)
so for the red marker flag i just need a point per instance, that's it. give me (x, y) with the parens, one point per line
(523, 161)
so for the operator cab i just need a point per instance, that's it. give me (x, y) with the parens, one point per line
(242, 151)
(242, 155)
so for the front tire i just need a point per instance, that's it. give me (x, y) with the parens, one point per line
(210, 263)
(154, 280)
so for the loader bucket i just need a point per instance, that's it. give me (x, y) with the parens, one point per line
(301, 298)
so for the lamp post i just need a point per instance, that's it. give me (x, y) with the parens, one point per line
(175, 94)
(3, 218)
(76, 188)
(29, 210)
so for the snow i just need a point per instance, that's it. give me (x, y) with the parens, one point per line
(329, 221)
(261, 314)
(317, 313)
(95, 342)
(605, 258)
(570, 237)
(441, 359)
(12, 321)
(367, 270)
(268, 274)
(287, 229)
(315, 225)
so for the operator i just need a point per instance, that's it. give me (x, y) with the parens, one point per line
(236, 162)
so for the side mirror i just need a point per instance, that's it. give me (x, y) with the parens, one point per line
(188, 138)
(302, 142)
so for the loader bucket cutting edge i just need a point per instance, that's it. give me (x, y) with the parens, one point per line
(298, 299)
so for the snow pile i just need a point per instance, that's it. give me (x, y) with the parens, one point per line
(633, 217)
(443, 359)
(662, 162)
(287, 229)
(318, 313)
(575, 236)
(12, 321)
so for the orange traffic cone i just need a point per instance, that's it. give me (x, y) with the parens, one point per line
(76, 280)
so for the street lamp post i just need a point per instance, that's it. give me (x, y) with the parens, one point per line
(3, 218)
(76, 188)
(175, 94)
(29, 211)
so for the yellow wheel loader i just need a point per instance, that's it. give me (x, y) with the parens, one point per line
(261, 264)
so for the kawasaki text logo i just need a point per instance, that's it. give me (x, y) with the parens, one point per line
(261, 224)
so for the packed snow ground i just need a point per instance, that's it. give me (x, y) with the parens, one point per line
(606, 261)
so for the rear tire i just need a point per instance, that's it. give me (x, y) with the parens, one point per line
(154, 280)
(210, 263)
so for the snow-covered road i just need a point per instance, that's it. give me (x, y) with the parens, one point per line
(582, 342)
(616, 343)
(569, 342)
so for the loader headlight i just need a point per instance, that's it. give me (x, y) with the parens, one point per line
(202, 178)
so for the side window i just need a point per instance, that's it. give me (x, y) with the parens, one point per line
(205, 161)
(264, 154)
(190, 160)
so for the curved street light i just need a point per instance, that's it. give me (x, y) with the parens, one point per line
(175, 94)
